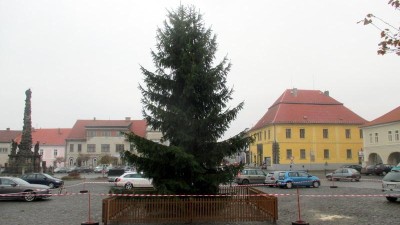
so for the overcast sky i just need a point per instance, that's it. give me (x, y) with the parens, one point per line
(82, 58)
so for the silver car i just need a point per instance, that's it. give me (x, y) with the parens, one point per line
(272, 178)
(347, 174)
(16, 188)
(251, 176)
(391, 185)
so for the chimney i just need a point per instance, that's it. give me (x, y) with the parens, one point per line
(326, 93)
(8, 129)
(94, 118)
(127, 118)
(294, 92)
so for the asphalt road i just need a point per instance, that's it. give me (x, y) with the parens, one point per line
(350, 203)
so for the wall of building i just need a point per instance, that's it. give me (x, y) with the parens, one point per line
(383, 150)
(313, 145)
(5, 150)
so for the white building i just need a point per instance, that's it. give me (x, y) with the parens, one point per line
(381, 139)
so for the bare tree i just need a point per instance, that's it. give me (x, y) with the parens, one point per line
(390, 34)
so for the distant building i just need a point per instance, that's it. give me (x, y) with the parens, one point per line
(306, 129)
(6, 137)
(93, 139)
(382, 139)
(51, 144)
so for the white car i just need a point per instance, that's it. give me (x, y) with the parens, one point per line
(130, 180)
(391, 185)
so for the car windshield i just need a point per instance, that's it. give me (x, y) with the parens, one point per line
(392, 177)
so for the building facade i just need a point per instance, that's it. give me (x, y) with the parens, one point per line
(90, 140)
(51, 144)
(306, 129)
(6, 137)
(382, 139)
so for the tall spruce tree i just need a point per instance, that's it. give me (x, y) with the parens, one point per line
(186, 99)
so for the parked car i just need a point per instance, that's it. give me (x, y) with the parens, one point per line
(272, 178)
(391, 185)
(85, 169)
(60, 170)
(16, 188)
(378, 169)
(251, 176)
(113, 174)
(43, 178)
(368, 170)
(130, 180)
(396, 168)
(356, 167)
(291, 179)
(102, 167)
(348, 174)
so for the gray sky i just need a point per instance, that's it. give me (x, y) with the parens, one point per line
(82, 59)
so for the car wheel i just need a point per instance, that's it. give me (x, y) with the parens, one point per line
(51, 185)
(391, 199)
(329, 178)
(384, 173)
(315, 184)
(245, 181)
(289, 185)
(128, 186)
(29, 196)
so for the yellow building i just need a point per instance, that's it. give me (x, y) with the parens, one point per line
(306, 129)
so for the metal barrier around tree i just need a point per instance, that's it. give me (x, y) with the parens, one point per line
(234, 204)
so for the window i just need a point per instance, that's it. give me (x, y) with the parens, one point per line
(370, 138)
(91, 133)
(79, 147)
(348, 133)
(325, 133)
(41, 152)
(91, 148)
(288, 133)
(302, 133)
(349, 154)
(302, 154)
(4, 150)
(361, 134)
(55, 152)
(326, 153)
(119, 147)
(390, 136)
(265, 135)
(288, 153)
(396, 135)
(376, 138)
(71, 147)
(105, 148)
(269, 134)
(107, 133)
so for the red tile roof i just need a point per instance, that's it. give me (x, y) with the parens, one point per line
(6, 136)
(307, 107)
(79, 129)
(48, 136)
(390, 117)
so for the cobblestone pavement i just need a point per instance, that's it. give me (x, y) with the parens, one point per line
(323, 205)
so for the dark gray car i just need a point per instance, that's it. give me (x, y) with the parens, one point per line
(16, 188)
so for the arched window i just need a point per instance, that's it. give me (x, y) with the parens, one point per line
(71, 161)
(94, 162)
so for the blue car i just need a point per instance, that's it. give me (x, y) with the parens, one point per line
(291, 179)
